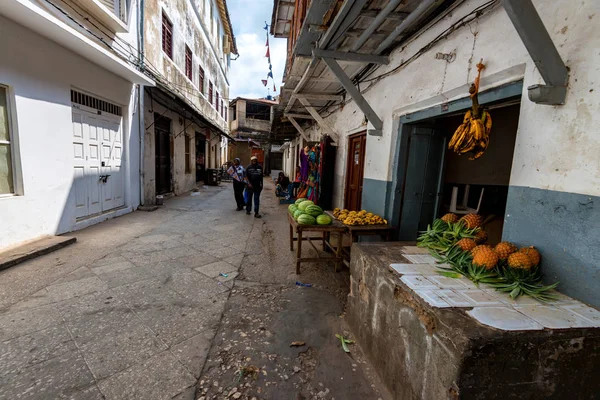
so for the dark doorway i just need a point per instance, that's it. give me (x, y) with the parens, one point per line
(276, 161)
(355, 171)
(162, 142)
(200, 157)
(422, 183)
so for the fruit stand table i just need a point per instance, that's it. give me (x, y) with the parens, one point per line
(336, 228)
(382, 230)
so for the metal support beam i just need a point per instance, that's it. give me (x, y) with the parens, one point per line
(376, 23)
(414, 16)
(298, 128)
(301, 116)
(319, 96)
(350, 57)
(342, 21)
(536, 39)
(393, 15)
(318, 118)
(356, 96)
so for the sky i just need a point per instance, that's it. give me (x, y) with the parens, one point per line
(248, 18)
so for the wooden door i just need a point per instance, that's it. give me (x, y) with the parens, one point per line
(422, 184)
(162, 148)
(355, 171)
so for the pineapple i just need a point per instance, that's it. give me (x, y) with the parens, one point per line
(481, 237)
(466, 244)
(450, 218)
(533, 254)
(519, 260)
(472, 221)
(485, 257)
(505, 249)
(479, 247)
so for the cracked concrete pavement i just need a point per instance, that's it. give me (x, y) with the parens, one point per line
(178, 303)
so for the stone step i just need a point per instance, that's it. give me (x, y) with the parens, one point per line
(28, 251)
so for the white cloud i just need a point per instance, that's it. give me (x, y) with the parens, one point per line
(248, 19)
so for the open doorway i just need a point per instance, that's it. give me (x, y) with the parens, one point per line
(200, 157)
(355, 168)
(162, 148)
(437, 180)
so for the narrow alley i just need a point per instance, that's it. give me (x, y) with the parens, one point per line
(193, 301)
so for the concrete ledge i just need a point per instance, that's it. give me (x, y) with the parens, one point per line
(422, 351)
(31, 250)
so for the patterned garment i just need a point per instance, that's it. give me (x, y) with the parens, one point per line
(238, 173)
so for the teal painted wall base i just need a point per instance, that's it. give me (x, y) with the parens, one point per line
(565, 227)
(375, 196)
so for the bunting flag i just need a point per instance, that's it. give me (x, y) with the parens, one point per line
(264, 82)
(268, 55)
(274, 88)
(270, 67)
(267, 44)
(266, 28)
(270, 75)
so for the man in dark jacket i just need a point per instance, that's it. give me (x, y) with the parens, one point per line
(254, 172)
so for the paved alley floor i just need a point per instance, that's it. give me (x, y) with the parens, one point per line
(193, 301)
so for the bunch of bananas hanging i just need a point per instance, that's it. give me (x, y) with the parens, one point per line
(473, 135)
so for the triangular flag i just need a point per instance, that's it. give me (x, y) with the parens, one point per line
(266, 28)
(270, 67)
(267, 44)
(268, 53)
(274, 88)
(270, 75)
(264, 82)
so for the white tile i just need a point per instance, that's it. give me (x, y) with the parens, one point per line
(445, 282)
(420, 258)
(455, 299)
(432, 298)
(480, 298)
(467, 283)
(414, 250)
(589, 313)
(418, 282)
(506, 299)
(561, 299)
(554, 317)
(504, 318)
(406, 269)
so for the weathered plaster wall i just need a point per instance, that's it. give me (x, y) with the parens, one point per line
(40, 75)
(191, 27)
(564, 132)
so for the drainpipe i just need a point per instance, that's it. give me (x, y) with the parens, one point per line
(141, 123)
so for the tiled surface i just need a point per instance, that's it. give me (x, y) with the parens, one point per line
(414, 250)
(490, 307)
(420, 258)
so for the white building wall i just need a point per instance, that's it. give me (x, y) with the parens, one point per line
(40, 75)
(556, 146)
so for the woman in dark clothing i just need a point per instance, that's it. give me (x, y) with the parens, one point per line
(284, 187)
(238, 174)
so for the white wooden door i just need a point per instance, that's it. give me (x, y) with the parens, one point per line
(98, 148)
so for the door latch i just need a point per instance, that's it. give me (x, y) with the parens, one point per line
(103, 178)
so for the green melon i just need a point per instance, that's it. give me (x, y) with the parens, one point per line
(300, 201)
(324, 219)
(292, 208)
(306, 219)
(313, 210)
(298, 213)
(302, 206)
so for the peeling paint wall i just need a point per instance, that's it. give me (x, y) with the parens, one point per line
(556, 147)
(191, 27)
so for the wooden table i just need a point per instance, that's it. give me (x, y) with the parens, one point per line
(383, 230)
(326, 231)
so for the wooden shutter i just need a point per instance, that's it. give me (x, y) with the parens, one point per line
(188, 63)
(167, 36)
(210, 92)
(217, 102)
(201, 80)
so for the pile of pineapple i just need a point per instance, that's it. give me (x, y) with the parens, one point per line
(460, 243)
(358, 217)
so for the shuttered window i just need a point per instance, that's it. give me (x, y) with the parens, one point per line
(188, 63)
(217, 102)
(201, 80)
(188, 161)
(210, 92)
(167, 36)
(6, 162)
(226, 113)
(222, 110)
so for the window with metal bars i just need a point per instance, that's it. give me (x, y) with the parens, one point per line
(210, 92)
(94, 102)
(167, 36)
(188, 162)
(201, 80)
(188, 63)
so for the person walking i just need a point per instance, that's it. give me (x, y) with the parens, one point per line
(238, 174)
(254, 174)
